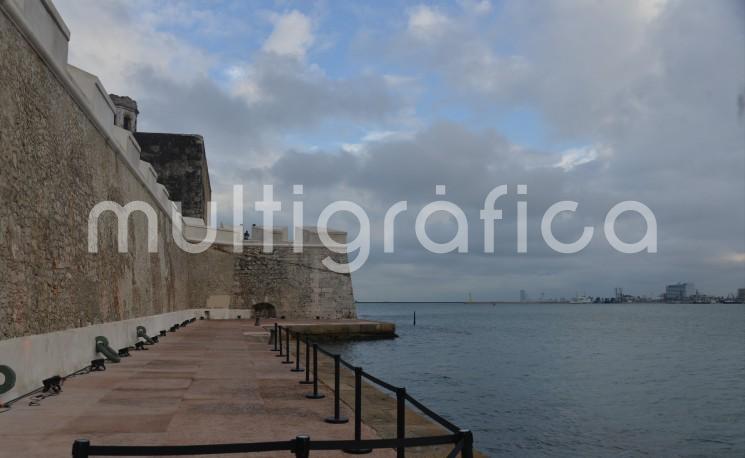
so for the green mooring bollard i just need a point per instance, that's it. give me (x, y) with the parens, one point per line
(102, 346)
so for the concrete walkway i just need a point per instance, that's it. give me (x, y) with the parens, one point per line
(211, 382)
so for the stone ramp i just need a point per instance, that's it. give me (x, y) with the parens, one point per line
(339, 330)
(211, 382)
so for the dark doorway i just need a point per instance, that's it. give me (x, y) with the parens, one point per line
(264, 310)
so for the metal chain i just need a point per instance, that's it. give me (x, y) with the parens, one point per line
(39, 394)
(36, 400)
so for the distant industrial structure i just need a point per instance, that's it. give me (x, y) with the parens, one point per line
(679, 292)
(682, 292)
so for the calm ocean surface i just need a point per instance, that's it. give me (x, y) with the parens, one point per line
(572, 380)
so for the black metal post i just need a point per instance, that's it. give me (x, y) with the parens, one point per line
(302, 447)
(400, 420)
(287, 347)
(337, 418)
(467, 450)
(80, 448)
(279, 337)
(297, 367)
(358, 413)
(307, 363)
(315, 394)
(275, 337)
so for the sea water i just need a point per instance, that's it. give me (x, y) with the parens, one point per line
(572, 379)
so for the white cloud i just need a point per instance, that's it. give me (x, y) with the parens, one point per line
(427, 23)
(352, 148)
(115, 42)
(574, 157)
(400, 80)
(235, 72)
(650, 9)
(380, 135)
(733, 258)
(476, 6)
(292, 35)
(376, 136)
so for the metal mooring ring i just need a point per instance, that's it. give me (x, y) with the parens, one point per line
(10, 379)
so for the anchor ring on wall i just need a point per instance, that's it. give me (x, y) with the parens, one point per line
(10, 379)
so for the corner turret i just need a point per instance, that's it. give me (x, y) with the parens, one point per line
(126, 112)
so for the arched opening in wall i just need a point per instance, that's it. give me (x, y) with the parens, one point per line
(264, 310)
(127, 122)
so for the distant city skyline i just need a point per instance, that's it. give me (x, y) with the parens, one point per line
(687, 290)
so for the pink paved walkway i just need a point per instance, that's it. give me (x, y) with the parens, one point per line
(211, 382)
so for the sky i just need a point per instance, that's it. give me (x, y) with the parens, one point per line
(378, 102)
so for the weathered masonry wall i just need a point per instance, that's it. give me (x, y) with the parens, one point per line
(296, 284)
(56, 165)
(60, 155)
(211, 277)
(181, 164)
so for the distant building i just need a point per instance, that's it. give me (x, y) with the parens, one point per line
(741, 295)
(523, 296)
(679, 292)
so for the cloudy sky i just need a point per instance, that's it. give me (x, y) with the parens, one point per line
(595, 102)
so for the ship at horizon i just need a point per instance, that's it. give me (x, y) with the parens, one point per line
(581, 299)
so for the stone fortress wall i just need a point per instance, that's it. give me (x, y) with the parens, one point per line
(62, 154)
(65, 148)
(298, 284)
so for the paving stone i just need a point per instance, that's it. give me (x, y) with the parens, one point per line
(250, 397)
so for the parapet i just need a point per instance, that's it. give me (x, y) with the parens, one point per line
(41, 25)
(308, 234)
(278, 234)
(45, 25)
(195, 230)
(311, 237)
(93, 90)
